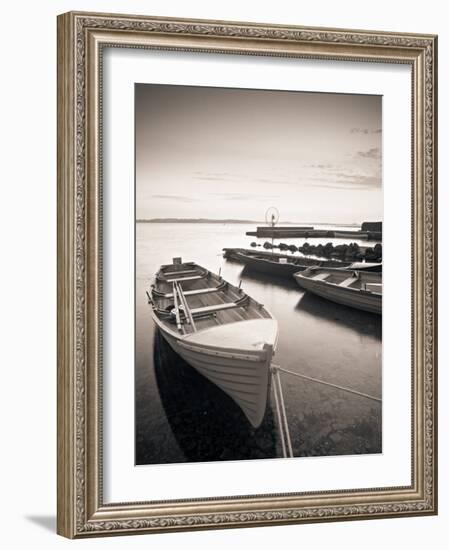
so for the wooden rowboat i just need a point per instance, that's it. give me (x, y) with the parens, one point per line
(282, 265)
(353, 288)
(223, 333)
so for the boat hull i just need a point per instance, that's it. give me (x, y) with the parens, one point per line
(271, 264)
(359, 299)
(219, 330)
(243, 375)
(270, 267)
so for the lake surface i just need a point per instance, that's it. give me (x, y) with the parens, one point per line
(182, 417)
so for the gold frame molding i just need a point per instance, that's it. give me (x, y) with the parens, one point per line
(81, 39)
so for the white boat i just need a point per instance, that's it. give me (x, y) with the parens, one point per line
(353, 288)
(223, 333)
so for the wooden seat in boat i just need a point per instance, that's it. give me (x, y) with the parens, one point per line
(217, 307)
(195, 292)
(320, 276)
(374, 287)
(186, 271)
(347, 282)
(180, 279)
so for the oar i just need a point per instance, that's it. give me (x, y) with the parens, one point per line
(178, 317)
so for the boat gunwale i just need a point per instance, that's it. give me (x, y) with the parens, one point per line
(223, 286)
(256, 355)
(164, 327)
(321, 282)
(247, 355)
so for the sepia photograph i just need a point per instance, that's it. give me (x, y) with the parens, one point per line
(258, 265)
(228, 356)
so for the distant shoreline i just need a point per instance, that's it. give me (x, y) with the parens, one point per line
(194, 220)
(230, 221)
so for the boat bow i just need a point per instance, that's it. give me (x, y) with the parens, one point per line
(236, 357)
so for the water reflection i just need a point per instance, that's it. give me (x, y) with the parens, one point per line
(181, 416)
(205, 422)
(359, 321)
(249, 274)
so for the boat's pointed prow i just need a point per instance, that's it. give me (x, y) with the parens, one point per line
(237, 358)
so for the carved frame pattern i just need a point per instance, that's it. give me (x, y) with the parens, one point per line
(81, 37)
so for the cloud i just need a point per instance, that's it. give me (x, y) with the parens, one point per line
(212, 178)
(243, 196)
(365, 131)
(373, 153)
(241, 179)
(340, 186)
(363, 180)
(217, 196)
(320, 166)
(177, 198)
(327, 175)
(345, 177)
(340, 179)
(214, 174)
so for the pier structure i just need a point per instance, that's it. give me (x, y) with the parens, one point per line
(367, 231)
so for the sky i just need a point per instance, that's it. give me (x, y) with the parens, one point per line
(218, 153)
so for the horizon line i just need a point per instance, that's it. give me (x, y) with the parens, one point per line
(236, 220)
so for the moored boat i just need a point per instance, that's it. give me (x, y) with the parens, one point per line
(350, 234)
(353, 288)
(285, 266)
(223, 333)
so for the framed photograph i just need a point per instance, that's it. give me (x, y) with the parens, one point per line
(233, 349)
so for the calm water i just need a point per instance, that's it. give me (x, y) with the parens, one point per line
(181, 417)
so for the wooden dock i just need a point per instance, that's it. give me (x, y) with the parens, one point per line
(310, 233)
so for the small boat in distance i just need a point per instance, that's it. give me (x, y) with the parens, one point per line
(223, 333)
(283, 265)
(353, 288)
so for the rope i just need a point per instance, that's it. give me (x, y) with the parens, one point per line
(284, 431)
(281, 430)
(284, 414)
(342, 388)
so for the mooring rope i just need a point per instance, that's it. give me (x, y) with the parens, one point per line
(342, 388)
(284, 414)
(284, 431)
(278, 411)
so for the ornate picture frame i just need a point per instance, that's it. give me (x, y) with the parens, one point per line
(82, 38)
